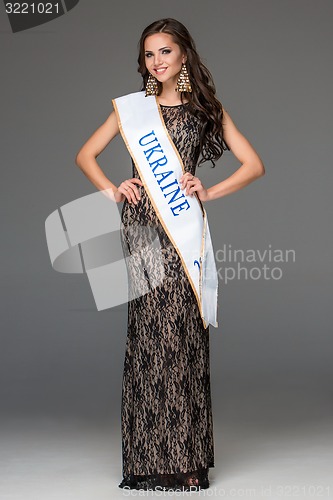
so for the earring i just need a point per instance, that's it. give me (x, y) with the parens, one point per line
(183, 82)
(152, 86)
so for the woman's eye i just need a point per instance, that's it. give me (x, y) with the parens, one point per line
(165, 51)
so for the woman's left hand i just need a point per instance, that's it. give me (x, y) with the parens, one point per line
(191, 184)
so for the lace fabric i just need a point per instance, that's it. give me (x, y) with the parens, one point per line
(166, 413)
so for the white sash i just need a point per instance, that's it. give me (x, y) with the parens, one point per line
(182, 216)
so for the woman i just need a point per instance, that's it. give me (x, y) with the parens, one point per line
(167, 426)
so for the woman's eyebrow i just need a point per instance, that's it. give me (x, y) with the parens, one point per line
(150, 51)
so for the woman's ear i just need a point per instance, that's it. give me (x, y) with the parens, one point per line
(184, 59)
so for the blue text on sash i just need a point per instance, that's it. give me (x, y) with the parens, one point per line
(156, 158)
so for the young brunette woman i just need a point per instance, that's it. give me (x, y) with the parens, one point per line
(166, 414)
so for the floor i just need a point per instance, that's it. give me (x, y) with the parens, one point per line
(70, 459)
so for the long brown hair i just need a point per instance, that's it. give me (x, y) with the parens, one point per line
(202, 100)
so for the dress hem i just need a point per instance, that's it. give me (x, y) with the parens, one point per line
(180, 481)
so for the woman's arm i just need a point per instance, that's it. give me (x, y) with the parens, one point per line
(252, 167)
(86, 160)
(86, 157)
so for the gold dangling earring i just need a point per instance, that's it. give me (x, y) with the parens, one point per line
(152, 86)
(183, 82)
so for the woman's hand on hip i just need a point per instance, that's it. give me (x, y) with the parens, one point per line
(129, 190)
(193, 184)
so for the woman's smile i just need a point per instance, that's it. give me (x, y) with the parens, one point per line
(160, 71)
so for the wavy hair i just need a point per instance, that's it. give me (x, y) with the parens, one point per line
(202, 100)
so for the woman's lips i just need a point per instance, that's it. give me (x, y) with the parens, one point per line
(160, 71)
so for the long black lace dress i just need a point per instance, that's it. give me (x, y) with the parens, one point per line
(166, 413)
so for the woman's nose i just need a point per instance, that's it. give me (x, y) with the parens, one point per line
(157, 59)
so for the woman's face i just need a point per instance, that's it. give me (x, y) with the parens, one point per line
(163, 57)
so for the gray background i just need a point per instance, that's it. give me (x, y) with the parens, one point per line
(61, 360)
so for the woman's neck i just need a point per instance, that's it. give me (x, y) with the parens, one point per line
(169, 96)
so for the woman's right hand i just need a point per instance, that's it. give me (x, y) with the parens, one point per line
(128, 189)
